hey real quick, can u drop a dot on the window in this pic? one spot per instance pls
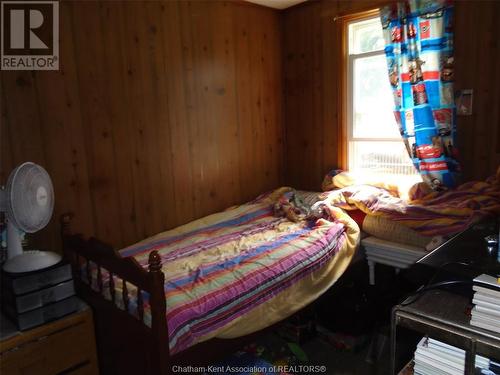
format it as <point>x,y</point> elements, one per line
<point>374,142</point>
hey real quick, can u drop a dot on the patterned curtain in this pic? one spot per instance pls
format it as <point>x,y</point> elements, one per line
<point>419,51</point>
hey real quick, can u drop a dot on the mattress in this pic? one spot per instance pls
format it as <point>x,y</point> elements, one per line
<point>393,231</point>
<point>241,270</point>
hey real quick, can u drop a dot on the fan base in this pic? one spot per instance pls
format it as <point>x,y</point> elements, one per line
<point>32,260</point>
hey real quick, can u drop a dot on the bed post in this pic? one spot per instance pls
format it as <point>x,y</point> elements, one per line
<point>158,314</point>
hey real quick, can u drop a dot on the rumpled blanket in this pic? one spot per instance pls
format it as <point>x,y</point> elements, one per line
<point>438,213</point>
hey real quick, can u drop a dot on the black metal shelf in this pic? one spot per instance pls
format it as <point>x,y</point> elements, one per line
<point>445,316</point>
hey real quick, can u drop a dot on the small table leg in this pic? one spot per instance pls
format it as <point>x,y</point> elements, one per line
<point>470,359</point>
<point>371,269</point>
<point>394,326</point>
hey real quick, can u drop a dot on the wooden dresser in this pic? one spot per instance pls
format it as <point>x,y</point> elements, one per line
<point>65,346</point>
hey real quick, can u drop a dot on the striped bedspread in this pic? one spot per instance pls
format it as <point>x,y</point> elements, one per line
<point>438,213</point>
<point>231,264</point>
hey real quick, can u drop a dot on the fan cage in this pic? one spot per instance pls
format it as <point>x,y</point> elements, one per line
<point>30,197</point>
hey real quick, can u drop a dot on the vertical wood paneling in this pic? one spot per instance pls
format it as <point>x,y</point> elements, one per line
<point>243,83</point>
<point>191,100</point>
<point>476,46</point>
<point>256,117</point>
<point>311,96</point>
<point>95,94</point>
<point>162,112</point>
<point>156,16</point>
<point>62,134</point>
<point>292,98</point>
<point>124,151</point>
<point>6,163</point>
<point>225,112</point>
<point>331,81</point>
<point>24,128</point>
<point>184,182</point>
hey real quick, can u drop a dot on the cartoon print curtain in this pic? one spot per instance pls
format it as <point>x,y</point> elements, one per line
<point>419,51</point>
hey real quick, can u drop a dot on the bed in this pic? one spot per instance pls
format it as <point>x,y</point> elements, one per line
<point>403,219</point>
<point>181,295</point>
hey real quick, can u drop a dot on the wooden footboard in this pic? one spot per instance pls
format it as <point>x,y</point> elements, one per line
<point>126,344</point>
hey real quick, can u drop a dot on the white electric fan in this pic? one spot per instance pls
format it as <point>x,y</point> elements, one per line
<point>28,200</point>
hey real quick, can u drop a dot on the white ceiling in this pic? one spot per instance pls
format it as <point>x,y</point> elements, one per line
<point>277,4</point>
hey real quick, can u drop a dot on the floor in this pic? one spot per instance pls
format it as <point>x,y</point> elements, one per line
<point>327,358</point>
<point>338,362</point>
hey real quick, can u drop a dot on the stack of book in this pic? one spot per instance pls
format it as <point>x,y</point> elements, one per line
<point>435,357</point>
<point>486,312</point>
<point>34,298</point>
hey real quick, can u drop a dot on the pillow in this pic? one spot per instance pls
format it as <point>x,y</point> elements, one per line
<point>397,185</point>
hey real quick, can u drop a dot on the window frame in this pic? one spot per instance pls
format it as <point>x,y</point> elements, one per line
<point>342,23</point>
<point>350,84</point>
<point>346,96</point>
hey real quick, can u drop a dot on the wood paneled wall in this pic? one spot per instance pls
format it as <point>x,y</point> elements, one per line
<point>311,57</point>
<point>162,112</point>
<point>477,66</point>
